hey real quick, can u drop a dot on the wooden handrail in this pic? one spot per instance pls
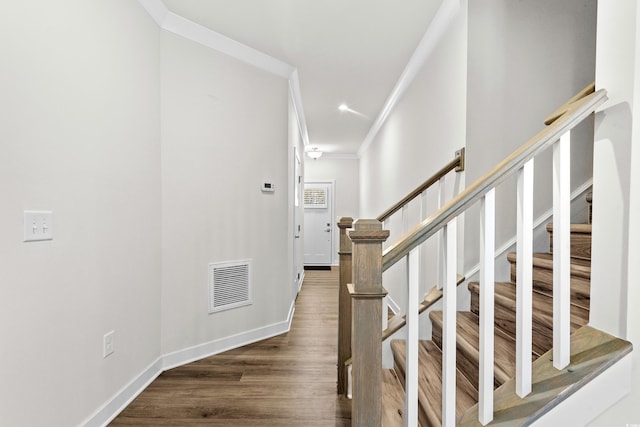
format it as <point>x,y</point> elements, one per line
<point>574,114</point>
<point>457,164</point>
<point>564,107</point>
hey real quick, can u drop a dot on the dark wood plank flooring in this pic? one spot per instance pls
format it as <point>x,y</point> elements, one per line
<point>288,380</point>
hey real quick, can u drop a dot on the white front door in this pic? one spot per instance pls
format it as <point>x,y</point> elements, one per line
<point>318,224</point>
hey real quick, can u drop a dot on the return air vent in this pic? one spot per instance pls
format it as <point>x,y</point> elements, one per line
<point>229,285</point>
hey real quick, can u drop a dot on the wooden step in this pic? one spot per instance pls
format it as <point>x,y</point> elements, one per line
<point>505,314</point>
<point>430,382</point>
<point>392,399</point>
<point>580,240</point>
<point>592,352</point>
<point>468,345</point>
<point>543,277</point>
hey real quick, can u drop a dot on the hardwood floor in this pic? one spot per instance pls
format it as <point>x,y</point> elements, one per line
<point>288,380</point>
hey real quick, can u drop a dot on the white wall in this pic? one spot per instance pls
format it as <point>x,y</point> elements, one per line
<point>616,233</point>
<point>224,132</point>
<point>79,135</point>
<point>423,131</point>
<point>420,136</point>
<point>345,174</point>
<point>526,58</point>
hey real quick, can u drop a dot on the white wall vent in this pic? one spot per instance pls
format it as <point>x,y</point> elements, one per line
<point>229,285</point>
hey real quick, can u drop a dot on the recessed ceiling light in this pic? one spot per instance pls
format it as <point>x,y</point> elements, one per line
<point>344,108</point>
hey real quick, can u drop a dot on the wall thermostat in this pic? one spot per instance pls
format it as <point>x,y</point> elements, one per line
<point>268,187</point>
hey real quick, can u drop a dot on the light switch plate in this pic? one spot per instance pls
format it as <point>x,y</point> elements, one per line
<point>38,225</point>
<point>108,344</point>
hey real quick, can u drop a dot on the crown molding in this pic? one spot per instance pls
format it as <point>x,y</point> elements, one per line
<point>172,22</point>
<point>155,8</point>
<point>181,26</point>
<point>435,31</point>
<point>223,44</point>
<point>296,96</point>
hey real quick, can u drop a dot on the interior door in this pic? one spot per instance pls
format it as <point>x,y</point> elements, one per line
<point>297,223</point>
<point>318,227</point>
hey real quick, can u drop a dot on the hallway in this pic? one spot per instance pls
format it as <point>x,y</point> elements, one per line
<point>287,380</point>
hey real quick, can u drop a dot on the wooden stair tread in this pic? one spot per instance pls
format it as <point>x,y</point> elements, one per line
<point>468,347</point>
<point>574,228</point>
<point>543,277</point>
<point>392,399</point>
<point>467,339</point>
<point>580,240</point>
<point>579,267</point>
<point>592,352</point>
<point>505,308</point>
<point>430,382</point>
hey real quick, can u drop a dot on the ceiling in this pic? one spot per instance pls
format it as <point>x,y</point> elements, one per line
<point>345,51</point>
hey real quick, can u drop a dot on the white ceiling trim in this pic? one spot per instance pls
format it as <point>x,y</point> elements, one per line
<point>439,25</point>
<point>223,44</point>
<point>181,26</point>
<point>155,8</point>
<point>296,96</point>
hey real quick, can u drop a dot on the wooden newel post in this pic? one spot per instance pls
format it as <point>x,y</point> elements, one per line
<point>367,294</point>
<point>344,304</point>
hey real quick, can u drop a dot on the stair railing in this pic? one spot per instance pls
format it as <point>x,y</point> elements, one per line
<point>456,164</point>
<point>345,254</point>
<point>367,276</point>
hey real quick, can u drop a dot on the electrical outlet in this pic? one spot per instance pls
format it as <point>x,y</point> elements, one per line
<point>38,225</point>
<point>108,344</point>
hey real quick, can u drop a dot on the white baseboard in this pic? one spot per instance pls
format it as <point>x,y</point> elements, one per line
<point>200,351</point>
<point>107,412</point>
<point>300,282</point>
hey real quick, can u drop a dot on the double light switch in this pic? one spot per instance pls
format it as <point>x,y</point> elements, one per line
<point>38,225</point>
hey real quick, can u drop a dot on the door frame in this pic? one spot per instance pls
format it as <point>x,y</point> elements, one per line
<point>332,191</point>
<point>298,221</point>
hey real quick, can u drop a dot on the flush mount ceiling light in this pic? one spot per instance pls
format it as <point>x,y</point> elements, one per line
<point>314,153</point>
<point>343,107</point>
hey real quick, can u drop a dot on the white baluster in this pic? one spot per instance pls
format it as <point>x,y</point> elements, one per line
<point>385,300</point>
<point>440,237</point>
<point>487,285</point>
<point>411,373</point>
<point>524,279</point>
<point>561,252</point>
<point>425,257</point>
<point>449,327</point>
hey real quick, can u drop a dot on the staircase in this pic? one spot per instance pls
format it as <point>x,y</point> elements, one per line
<point>467,337</point>
<point>519,357</point>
